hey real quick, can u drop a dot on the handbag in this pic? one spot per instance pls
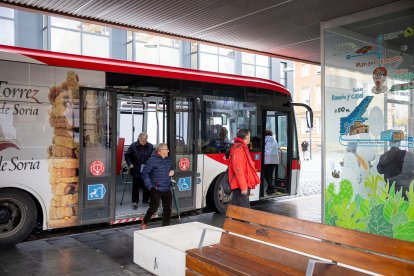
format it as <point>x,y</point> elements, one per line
<point>224,182</point>
<point>224,178</point>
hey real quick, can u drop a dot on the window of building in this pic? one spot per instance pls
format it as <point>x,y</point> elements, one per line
<point>75,37</point>
<point>7,33</point>
<point>212,58</point>
<point>318,125</point>
<point>305,70</point>
<point>305,95</point>
<point>318,95</point>
<point>303,126</point>
<point>255,65</point>
<point>283,73</point>
<point>148,48</point>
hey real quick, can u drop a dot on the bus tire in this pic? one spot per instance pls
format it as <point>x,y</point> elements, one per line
<point>18,216</point>
<point>221,200</point>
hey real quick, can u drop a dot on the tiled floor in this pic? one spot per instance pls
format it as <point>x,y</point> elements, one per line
<point>110,251</point>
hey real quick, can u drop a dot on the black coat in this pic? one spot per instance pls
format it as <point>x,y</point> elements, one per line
<point>136,155</point>
<point>403,180</point>
<point>391,162</point>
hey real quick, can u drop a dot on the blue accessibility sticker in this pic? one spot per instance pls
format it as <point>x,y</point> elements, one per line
<point>410,138</point>
<point>184,184</point>
<point>257,156</point>
<point>96,191</point>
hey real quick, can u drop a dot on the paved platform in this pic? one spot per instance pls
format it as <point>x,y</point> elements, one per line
<point>110,251</point>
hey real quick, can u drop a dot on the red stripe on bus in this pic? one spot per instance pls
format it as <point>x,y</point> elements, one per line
<point>128,67</point>
<point>119,153</point>
<point>296,164</point>
<point>219,157</point>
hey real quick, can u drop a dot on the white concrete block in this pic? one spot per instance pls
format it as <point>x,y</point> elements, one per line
<point>162,250</point>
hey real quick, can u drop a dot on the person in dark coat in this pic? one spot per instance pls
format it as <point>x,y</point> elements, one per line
<point>136,156</point>
<point>391,162</point>
<point>403,180</point>
<point>157,175</point>
<point>305,151</point>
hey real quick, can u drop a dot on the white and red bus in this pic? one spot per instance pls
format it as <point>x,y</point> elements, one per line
<point>66,120</point>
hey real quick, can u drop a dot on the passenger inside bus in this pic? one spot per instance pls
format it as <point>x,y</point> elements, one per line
<point>219,143</point>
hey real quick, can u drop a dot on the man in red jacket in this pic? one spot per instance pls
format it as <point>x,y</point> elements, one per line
<point>242,173</point>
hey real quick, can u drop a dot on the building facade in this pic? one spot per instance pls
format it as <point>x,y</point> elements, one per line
<point>39,31</point>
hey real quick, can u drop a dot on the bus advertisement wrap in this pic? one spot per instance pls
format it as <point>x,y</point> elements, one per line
<point>39,135</point>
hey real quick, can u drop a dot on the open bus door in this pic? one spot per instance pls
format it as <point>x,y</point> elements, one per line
<point>166,120</point>
<point>97,155</point>
<point>183,150</point>
<point>278,123</point>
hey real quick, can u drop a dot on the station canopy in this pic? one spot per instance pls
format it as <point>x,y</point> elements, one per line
<point>287,29</point>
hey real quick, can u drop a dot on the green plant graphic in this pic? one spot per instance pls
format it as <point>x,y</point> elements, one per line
<point>383,211</point>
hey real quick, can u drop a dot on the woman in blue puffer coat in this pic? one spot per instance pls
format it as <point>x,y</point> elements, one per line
<point>157,175</point>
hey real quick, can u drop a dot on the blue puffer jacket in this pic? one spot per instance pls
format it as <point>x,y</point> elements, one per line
<point>155,173</point>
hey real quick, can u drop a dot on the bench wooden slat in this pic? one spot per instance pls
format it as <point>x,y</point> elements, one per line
<point>262,251</point>
<point>346,255</point>
<point>290,262</point>
<point>285,270</point>
<point>200,265</point>
<point>244,260</point>
<point>388,246</point>
<point>210,264</point>
<point>189,272</point>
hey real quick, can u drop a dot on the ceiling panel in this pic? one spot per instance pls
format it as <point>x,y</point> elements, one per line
<point>285,28</point>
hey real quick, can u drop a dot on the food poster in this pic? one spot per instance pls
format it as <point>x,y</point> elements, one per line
<point>39,134</point>
<point>369,164</point>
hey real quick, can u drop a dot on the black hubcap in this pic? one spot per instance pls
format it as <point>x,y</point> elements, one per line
<point>10,216</point>
<point>4,215</point>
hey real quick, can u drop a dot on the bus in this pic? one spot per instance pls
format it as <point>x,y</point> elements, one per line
<point>67,120</point>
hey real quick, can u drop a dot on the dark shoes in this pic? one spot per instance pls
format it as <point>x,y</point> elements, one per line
<point>134,206</point>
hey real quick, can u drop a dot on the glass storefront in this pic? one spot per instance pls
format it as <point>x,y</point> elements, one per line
<point>369,125</point>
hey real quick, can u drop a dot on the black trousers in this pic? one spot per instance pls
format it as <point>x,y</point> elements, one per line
<point>269,170</point>
<point>166,198</point>
<point>238,199</point>
<point>136,183</point>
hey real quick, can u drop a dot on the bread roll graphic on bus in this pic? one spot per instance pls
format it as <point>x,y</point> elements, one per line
<point>64,152</point>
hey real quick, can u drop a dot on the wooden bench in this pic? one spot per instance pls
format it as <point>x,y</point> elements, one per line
<point>260,243</point>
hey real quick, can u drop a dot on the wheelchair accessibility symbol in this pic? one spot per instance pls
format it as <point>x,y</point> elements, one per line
<point>96,191</point>
<point>184,184</point>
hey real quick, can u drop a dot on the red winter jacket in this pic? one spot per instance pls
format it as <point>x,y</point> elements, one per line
<point>242,173</point>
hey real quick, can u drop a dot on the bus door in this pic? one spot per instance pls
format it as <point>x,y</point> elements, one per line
<point>136,113</point>
<point>97,151</point>
<point>277,122</point>
<point>182,137</point>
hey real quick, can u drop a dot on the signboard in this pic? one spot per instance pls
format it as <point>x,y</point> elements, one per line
<point>96,191</point>
<point>184,184</point>
<point>184,163</point>
<point>97,168</point>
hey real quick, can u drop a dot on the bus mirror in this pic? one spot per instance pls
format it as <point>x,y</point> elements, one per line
<point>309,113</point>
<point>309,119</point>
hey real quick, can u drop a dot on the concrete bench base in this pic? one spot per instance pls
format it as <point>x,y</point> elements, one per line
<point>162,250</point>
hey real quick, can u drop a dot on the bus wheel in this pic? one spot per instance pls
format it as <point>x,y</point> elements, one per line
<point>221,200</point>
<point>18,215</point>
